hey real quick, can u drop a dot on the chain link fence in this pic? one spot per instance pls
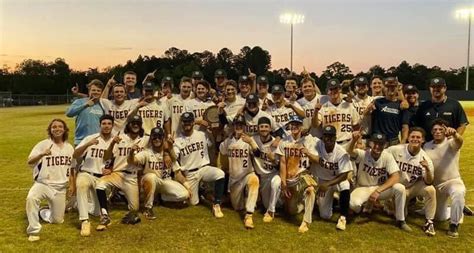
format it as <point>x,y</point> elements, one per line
<point>7,99</point>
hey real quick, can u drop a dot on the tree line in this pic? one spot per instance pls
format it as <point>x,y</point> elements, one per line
<point>41,77</point>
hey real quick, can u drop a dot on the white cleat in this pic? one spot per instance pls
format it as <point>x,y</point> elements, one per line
<point>33,238</point>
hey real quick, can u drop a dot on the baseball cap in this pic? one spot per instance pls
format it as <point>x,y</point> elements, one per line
<point>136,118</point>
<point>378,138</point>
<point>410,88</point>
<point>243,79</point>
<point>295,118</point>
<point>264,120</point>
<point>329,130</point>
<point>157,132</point>
<point>437,81</point>
<point>187,117</point>
<point>361,80</point>
<point>391,81</point>
<point>277,88</point>
<point>252,98</point>
<point>220,73</point>
<point>197,75</point>
<point>167,79</point>
<point>333,83</point>
<point>262,79</point>
<point>239,119</point>
<point>148,86</point>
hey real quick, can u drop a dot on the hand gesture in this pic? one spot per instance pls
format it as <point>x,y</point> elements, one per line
<point>247,139</point>
<point>171,137</point>
<point>322,189</point>
<point>450,131</point>
<point>356,135</point>
<point>75,89</point>
<point>285,191</point>
<point>305,73</point>
<point>265,104</point>
<point>275,143</point>
<point>48,151</point>
<point>370,108</point>
<point>424,163</point>
<point>111,82</point>
<point>94,141</point>
<point>252,76</point>
<point>92,101</point>
<point>317,106</point>
<point>117,138</point>
<point>374,196</point>
<point>135,148</point>
<point>168,161</point>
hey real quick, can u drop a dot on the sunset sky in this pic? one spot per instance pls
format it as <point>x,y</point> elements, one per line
<point>359,33</point>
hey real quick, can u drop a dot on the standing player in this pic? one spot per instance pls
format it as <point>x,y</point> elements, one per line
<point>332,170</point>
<point>200,103</point>
<point>178,104</point>
<point>282,110</point>
<point>91,151</point>
<point>417,173</point>
<point>266,166</point>
<point>409,118</point>
<point>377,178</point>
<point>376,87</point>
<point>245,86</point>
<point>220,78</point>
<point>166,92</point>
<point>51,161</point>
<point>444,151</point>
<point>308,102</point>
<point>361,101</point>
<point>130,81</point>
<point>191,148</point>
<point>156,173</point>
<point>297,185</point>
<point>262,90</point>
<point>121,174</point>
<point>240,148</point>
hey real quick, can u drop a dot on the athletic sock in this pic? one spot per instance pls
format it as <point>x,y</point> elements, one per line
<point>219,186</point>
<point>102,198</point>
<point>344,198</point>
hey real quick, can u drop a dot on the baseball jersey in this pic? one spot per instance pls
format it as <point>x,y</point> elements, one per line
<point>409,165</point>
<point>177,106</point>
<point>119,112</point>
<point>154,114</point>
<point>198,107</point>
<point>361,104</point>
<point>52,169</point>
<point>268,97</point>
<point>308,108</point>
<point>342,116</point>
<point>263,164</point>
<point>281,115</point>
<point>239,154</point>
<point>153,162</point>
<point>252,122</point>
<point>387,118</point>
<point>445,157</point>
<point>373,172</point>
<point>330,165</point>
<point>289,147</point>
<point>231,108</point>
<point>92,158</point>
<point>122,150</point>
<point>192,151</point>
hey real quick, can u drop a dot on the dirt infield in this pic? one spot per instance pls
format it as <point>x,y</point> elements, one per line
<point>469,112</point>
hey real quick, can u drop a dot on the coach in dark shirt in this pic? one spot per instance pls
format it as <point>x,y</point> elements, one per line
<point>409,117</point>
<point>440,106</point>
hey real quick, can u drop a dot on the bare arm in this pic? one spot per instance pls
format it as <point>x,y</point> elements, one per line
<point>405,130</point>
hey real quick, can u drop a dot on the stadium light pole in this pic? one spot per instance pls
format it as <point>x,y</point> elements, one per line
<point>467,14</point>
<point>291,19</point>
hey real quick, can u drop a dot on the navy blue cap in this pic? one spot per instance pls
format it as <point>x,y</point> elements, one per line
<point>262,79</point>
<point>390,81</point>
<point>167,79</point>
<point>378,138</point>
<point>333,83</point>
<point>361,80</point>
<point>148,86</point>
<point>157,132</point>
<point>252,98</point>
<point>243,79</point>
<point>278,88</point>
<point>197,75</point>
<point>136,118</point>
<point>329,130</point>
<point>220,73</point>
<point>264,120</point>
<point>437,81</point>
<point>187,117</point>
<point>295,118</point>
<point>410,88</point>
<point>239,119</point>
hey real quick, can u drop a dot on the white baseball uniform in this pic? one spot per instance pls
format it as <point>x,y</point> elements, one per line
<point>342,116</point>
<point>177,106</point>
<point>154,114</point>
<point>308,108</point>
<point>252,122</point>
<point>51,175</point>
<point>373,173</point>
<point>119,112</point>
<point>231,108</point>
<point>281,115</point>
<point>361,105</point>
<point>447,179</point>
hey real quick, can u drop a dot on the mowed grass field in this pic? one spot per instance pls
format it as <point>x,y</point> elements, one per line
<point>194,228</point>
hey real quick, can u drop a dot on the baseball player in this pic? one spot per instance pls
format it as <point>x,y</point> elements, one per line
<point>157,173</point>
<point>240,149</point>
<point>252,114</point>
<point>220,78</point>
<point>200,103</point>
<point>376,87</point>
<point>51,162</point>
<point>377,178</point>
<point>262,90</point>
<point>297,184</point>
<point>332,170</point>
<point>178,104</point>
<point>266,166</point>
<point>417,174</point>
<point>444,151</point>
<point>121,174</point>
<point>361,101</point>
<point>191,149</point>
<point>308,102</point>
<point>130,81</point>
<point>232,103</point>
<point>338,113</point>
<point>166,92</point>
<point>91,151</point>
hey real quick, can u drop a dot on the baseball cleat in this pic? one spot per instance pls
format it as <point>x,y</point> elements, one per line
<point>149,214</point>
<point>268,217</point>
<point>216,210</point>
<point>131,218</point>
<point>248,221</point>
<point>303,227</point>
<point>341,223</point>
<point>104,223</point>
<point>453,231</point>
<point>429,228</point>
<point>404,226</point>
<point>86,228</point>
<point>33,238</point>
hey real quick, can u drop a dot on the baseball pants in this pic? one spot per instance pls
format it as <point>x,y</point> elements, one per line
<point>456,191</point>
<point>125,182</point>
<point>325,202</point>
<point>302,198</point>
<point>169,189</point>
<point>244,193</point>
<point>56,202</point>
<point>360,195</point>
<point>207,174</point>
<point>428,192</point>
<point>270,189</point>
<point>85,184</point>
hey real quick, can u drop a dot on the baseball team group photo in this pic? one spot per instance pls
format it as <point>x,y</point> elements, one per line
<point>272,148</point>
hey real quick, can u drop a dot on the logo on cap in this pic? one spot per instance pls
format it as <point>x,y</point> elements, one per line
<point>436,80</point>
<point>251,96</point>
<point>333,82</point>
<point>379,136</point>
<point>361,79</point>
<point>328,128</point>
<point>244,77</point>
<point>187,115</point>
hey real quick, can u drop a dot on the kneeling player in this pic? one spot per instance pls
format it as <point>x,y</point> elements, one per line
<point>332,169</point>
<point>377,178</point>
<point>157,174</point>
<point>297,184</point>
<point>51,162</point>
<point>240,148</point>
<point>417,173</point>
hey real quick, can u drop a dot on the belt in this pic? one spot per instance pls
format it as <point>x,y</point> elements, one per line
<point>343,141</point>
<point>92,174</point>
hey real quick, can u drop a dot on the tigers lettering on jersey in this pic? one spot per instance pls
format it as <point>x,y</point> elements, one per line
<point>188,149</point>
<point>338,117</point>
<point>177,109</point>
<point>376,172</point>
<point>58,160</point>
<point>125,151</point>
<point>198,112</point>
<point>309,112</point>
<point>294,152</point>
<point>283,117</point>
<point>415,171</point>
<point>122,114</point>
<point>251,129</point>
<point>243,153</point>
<point>97,152</point>
<point>329,165</point>
<point>150,113</point>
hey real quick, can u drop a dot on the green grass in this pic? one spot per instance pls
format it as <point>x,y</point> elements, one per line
<point>194,228</point>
